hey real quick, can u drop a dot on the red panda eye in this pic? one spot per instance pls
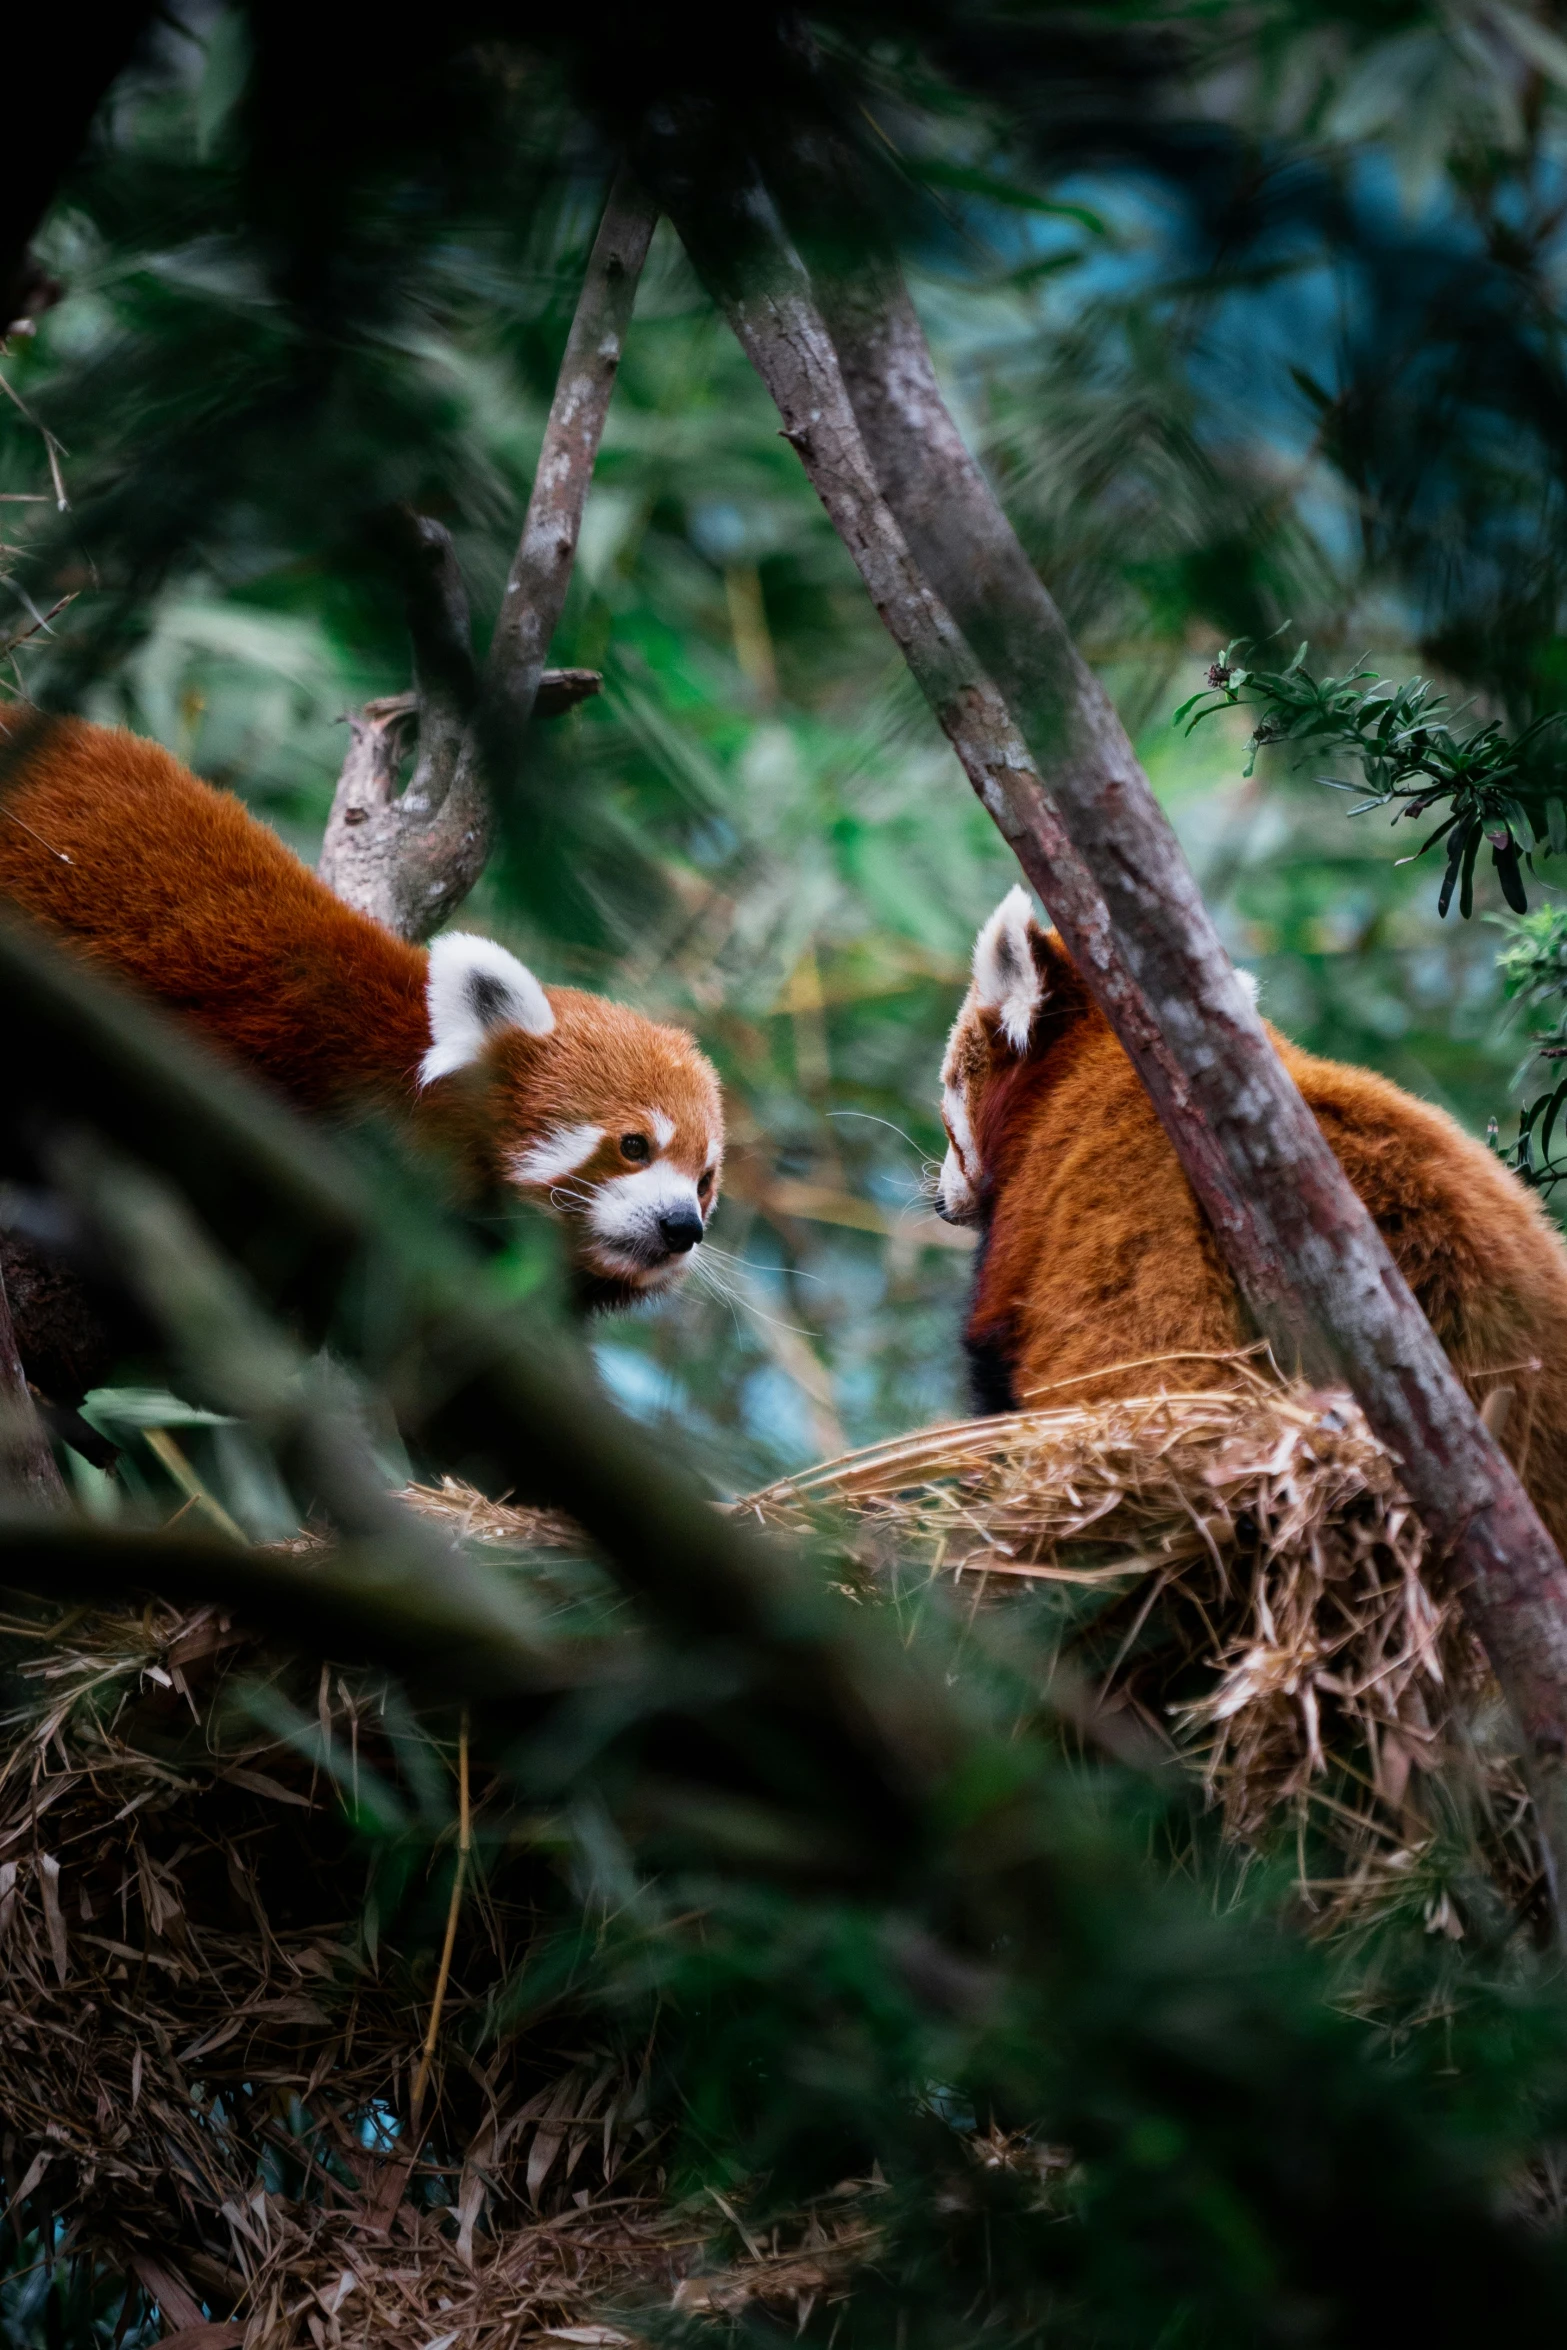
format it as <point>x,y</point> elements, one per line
<point>704,1182</point>
<point>634,1146</point>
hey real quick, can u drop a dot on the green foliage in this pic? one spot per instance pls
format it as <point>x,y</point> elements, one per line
<point>755,831</point>
<point>49,2298</point>
<point>1533,965</point>
<point>1504,789</point>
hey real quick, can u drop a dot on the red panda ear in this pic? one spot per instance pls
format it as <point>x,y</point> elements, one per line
<point>1007,979</point>
<point>474,988</point>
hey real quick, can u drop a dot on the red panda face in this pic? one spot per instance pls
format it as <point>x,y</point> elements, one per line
<point>991,1033</point>
<point>609,1121</point>
<point>1026,996</point>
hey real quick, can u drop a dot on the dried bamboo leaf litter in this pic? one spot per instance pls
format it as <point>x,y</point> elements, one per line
<point>199,2025</point>
<point>1250,1582</point>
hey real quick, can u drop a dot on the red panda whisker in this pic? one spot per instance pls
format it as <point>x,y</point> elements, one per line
<point>727,1256</point>
<point>569,1203</point>
<point>872,1119</point>
<point>707,1280</point>
<point>709,1274</point>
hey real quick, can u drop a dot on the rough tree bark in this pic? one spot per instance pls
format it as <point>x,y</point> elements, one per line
<point>410,859</point>
<point>1308,1260</point>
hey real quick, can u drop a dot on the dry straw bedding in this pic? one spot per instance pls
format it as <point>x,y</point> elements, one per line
<point>196,2016</point>
<point>196,2025</point>
<point>1239,1572</point>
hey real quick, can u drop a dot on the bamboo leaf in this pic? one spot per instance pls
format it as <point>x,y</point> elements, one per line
<point>1466,888</point>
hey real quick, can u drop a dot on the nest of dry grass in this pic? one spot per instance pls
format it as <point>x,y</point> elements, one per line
<point>1238,1570</point>
<point>201,2024</point>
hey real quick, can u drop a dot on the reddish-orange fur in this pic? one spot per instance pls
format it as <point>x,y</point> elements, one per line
<point>173,885</point>
<point>161,880</point>
<point>1095,1257</point>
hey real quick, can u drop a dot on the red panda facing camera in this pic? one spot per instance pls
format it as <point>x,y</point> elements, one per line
<point>606,1119</point>
<point>1098,1275</point>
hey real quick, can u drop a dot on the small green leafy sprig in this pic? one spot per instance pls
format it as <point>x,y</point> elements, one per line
<point>1533,965</point>
<point>1414,755</point>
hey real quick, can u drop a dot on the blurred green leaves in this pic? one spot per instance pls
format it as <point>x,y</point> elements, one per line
<point>1133,243</point>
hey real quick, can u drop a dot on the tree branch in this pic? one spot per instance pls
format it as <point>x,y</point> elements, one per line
<point>409,860</point>
<point>458,1632</point>
<point>1306,1255</point>
<point>541,568</point>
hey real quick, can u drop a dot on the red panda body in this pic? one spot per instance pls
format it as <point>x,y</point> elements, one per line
<point>570,1099</point>
<point>1098,1276</point>
<point>175,887</point>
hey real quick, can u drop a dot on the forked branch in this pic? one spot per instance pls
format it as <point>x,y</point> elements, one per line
<point>409,858</point>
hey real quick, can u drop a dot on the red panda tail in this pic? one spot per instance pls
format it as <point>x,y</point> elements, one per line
<point>147,871</point>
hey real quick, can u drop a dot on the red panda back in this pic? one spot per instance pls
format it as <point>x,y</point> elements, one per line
<point>1100,1277</point>
<point>151,873</point>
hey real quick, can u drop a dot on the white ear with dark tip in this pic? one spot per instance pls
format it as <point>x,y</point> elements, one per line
<point>1006,977</point>
<point>474,988</point>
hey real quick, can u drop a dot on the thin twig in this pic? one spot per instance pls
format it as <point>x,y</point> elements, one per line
<point>541,568</point>
<point>52,448</point>
<point>464,1827</point>
<point>164,1449</point>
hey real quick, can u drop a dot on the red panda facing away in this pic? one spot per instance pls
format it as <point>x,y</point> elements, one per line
<point>575,1103</point>
<point>1097,1272</point>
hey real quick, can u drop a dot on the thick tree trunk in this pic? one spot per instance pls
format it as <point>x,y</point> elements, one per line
<point>1308,1260</point>
<point>410,859</point>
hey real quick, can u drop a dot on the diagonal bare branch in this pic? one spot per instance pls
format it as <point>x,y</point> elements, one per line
<point>541,568</point>
<point>410,859</point>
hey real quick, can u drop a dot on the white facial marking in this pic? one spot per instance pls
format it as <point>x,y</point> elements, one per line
<point>663,1130</point>
<point>560,1152</point>
<point>955,1195</point>
<point>626,1214</point>
<point>960,1133</point>
<point>1006,977</point>
<point>474,988</point>
<point>1250,983</point>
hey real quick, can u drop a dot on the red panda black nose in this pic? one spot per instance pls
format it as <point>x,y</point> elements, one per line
<point>680,1231</point>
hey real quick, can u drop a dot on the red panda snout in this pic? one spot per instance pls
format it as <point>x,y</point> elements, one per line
<point>608,1120</point>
